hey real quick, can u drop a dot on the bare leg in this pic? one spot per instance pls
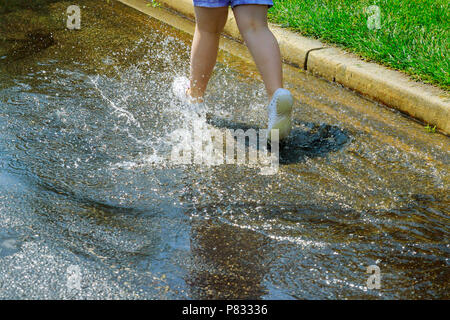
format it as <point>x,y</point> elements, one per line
<point>209,25</point>
<point>252,23</point>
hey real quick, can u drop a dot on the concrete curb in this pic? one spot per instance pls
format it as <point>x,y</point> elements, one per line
<point>392,88</point>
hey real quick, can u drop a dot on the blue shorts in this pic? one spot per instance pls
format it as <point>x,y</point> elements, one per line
<point>232,3</point>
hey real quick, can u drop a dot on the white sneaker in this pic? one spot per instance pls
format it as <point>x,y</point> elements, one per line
<point>180,87</point>
<point>280,109</point>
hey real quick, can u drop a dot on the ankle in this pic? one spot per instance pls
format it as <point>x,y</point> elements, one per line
<point>194,97</point>
<point>270,93</point>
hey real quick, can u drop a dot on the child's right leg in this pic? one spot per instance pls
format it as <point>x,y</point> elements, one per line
<point>209,25</point>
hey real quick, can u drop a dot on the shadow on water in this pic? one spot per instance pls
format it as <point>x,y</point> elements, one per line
<point>33,43</point>
<point>26,30</point>
<point>307,139</point>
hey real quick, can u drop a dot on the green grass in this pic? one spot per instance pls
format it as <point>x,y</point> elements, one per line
<point>413,35</point>
<point>430,129</point>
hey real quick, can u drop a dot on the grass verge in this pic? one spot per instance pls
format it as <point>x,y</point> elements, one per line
<point>411,36</point>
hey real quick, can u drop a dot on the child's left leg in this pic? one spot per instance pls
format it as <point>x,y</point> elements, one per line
<point>252,23</point>
<point>209,25</point>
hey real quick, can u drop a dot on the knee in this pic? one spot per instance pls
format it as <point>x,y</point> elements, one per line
<point>251,25</point>
<point>214,30</point>
<point>214,27</point>
<point>210,20</point>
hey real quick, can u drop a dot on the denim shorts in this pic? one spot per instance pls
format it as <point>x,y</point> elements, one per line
<point>232,3</point>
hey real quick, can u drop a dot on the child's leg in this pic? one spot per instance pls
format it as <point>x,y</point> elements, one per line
<point>209,24</point>
<point>252,23</point>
